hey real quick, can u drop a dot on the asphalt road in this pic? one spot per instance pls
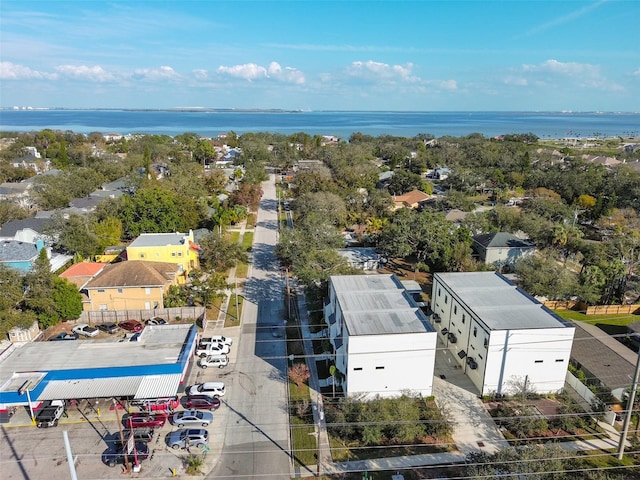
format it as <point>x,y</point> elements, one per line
<point>256,440</point>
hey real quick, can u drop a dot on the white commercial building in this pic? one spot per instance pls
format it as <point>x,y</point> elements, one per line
<point>383,343</point>
<point>501,337</point>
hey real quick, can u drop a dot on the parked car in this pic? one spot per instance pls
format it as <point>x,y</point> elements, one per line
<point>64,336</point>
<point>140,435</point>
<point>197,437</point>
<point>202,402</point>
<point>208,388</point>
<point>155,321</point>
<point>219,361</point>
<point>117,456</point>
<point>216,339</point>
<point>192,417</point>
<point>162,404</point>
<point>136,420</point>
<point>131,326</point>
<point>109,328</point>
<point>85,329</point>
<point>216,348</point>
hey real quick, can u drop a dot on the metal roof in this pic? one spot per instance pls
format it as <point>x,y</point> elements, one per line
<point>158,345</point>
<point>156,386</point>
<point>377,305</point>
<point>91,388</point>
<point>499,303</point>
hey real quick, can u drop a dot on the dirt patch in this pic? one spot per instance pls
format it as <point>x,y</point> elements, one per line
<point>405,270</point>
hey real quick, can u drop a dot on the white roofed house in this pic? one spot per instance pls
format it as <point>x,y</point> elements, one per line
<point>502,338</point>
<point>383,343</point>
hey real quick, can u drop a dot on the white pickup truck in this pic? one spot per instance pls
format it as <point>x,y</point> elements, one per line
<point>211,349</point>
<point>50,413</point>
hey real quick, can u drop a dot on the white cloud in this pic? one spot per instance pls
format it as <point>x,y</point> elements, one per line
<point>252,71</point>
<point>248,71</point>
<point>83,72</point>
<point>155,74</point>
<point>200,74</point>
<point>562,68</point>
<point>583,75</point>
<point>447,84</point>
<point>636,73</point>
<point>288,74</point>
<point>516,80</point>
<point>376,71</point>
<point>12,71</point>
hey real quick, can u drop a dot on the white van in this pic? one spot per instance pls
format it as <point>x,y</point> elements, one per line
<point>219,361</point>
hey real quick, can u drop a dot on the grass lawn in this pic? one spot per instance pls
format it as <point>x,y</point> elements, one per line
<point>247,240</point>
<point>251,220</point>
<point>234,236</point>
<point>304,443</point>
<point>242,269</point>
<point>214,310</point>
<point>232,319</point>
<point>612,324</point>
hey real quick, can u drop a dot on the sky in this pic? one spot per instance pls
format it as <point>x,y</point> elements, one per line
<point>396,55</point>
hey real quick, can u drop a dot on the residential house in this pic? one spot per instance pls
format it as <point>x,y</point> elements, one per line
<point>80,273</point>
<point>383,343</point>
<point>131,285</point>
<point>502,338</point>
<point>605,360</point>
<point>178,248</point>
<point>19,255</point>
<point>32,160</point>
<point>363,258</point>
<point>501,249</point>
<point>16,192</point>
<point>27,230</point>
<point>413,199</point>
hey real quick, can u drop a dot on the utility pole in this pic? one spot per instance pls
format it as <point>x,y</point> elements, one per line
<point>67,447</point>
<point>124,445</point>
<point>627,418</point>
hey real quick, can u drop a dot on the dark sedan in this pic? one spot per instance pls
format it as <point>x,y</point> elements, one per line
<point>131,326</point>
<point>63,336</point>
<point>136,420</point>
<point>117,457</point>
<point>109,327</point>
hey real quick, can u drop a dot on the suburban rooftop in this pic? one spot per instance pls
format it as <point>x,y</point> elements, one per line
<point>498,303</point>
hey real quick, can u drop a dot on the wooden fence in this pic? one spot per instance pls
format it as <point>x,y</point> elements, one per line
<point>169,314</point>
<point>594,309</point>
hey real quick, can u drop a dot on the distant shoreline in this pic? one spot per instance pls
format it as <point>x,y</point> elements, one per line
<point>209,122</point>
<point>280,110</point>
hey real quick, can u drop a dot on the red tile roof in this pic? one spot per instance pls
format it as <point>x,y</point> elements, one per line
<point>83,269</point>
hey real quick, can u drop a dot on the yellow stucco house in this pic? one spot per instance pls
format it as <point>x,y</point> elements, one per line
<point>132,285</point>
<point>178,248</point>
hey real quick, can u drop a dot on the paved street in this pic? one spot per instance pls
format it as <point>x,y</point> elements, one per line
<point>256,439</point>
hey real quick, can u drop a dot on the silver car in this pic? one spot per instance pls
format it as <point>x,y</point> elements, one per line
<point>185,438</point>
<point>192,417</point>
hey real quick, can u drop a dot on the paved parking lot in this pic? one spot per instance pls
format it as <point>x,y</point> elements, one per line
<point>27,452</point>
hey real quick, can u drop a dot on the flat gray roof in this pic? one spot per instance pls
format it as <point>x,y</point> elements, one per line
<point>377,305</point>
<point>158,344</point>
<point>158,239</point>
<point>499,303</point>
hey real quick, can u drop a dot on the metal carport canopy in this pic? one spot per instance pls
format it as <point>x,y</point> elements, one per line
<point>152,386</point>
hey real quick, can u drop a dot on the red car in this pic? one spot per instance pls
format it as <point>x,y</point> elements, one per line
<point>131,326</point>
<point>136,420</point>
<point>202,402</point>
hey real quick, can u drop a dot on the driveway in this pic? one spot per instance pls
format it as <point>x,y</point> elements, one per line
<point>473,427</point>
